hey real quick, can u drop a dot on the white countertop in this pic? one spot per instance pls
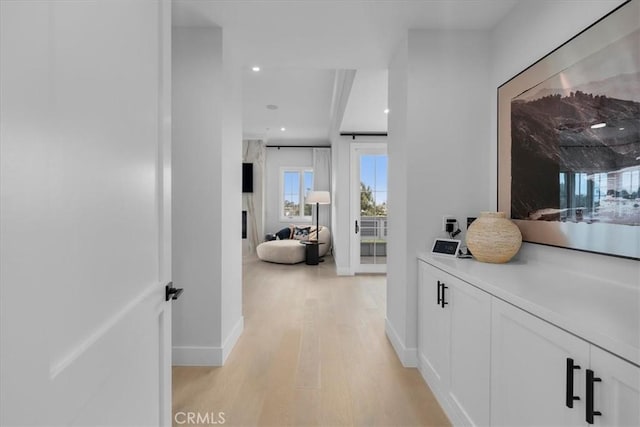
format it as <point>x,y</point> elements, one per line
<point>605,313</point>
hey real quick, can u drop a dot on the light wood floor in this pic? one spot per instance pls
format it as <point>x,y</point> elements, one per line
<point>313,352</point>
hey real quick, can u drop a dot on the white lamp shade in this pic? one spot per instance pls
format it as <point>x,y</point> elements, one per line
<point>320,197</point>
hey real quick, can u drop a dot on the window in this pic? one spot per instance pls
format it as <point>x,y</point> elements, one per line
<point>295,185</point>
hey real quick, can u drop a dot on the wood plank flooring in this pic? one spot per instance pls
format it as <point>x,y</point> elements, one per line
<point>313,353</point>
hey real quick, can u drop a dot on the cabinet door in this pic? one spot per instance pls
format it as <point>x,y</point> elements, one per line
<point>454,344</point>
<point>529,370</point>
<point>470,363</point>
<point>617,395</point>
<point>433,345</point>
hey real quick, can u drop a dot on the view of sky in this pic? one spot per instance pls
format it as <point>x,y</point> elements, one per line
<point>292,186</point>
<point>373,173</point>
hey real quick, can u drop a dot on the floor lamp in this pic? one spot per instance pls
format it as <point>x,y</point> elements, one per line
<point>319,198</point>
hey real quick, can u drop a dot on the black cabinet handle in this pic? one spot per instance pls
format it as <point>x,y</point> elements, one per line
<point>439,286</point>
<point>570,397</point>
<point>357,227</point>
<point>591,380</point>
<point>442,300</point>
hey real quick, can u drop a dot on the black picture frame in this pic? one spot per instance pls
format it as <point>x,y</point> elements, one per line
<point>569,141</point>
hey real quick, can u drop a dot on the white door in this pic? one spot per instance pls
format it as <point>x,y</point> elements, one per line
<point>369,207</point>
<point>84,216</point>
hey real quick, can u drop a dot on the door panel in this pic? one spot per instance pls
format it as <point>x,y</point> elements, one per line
<point>85,151</point>
<point>470,360</point>
<point>132,341</point>
<point>435,325</point>
<point>369,207</point>
<point>528,370</point>
<point>617,395</point>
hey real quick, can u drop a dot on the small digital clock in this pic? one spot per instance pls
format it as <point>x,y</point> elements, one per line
<point>446,247</point>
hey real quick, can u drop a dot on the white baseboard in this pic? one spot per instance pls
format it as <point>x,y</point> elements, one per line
<point>343,271</point>
<point>207,356</point>
<point>232,339</point>
<point>408,356</point>
<point>196,356</point>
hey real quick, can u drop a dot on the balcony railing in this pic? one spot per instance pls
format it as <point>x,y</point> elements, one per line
<point>373,238</point>
<point>373,229</point>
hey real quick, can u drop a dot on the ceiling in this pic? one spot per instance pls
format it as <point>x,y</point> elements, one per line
<point>365,109</point>
<point>302,97</point>
<point>300,43</point>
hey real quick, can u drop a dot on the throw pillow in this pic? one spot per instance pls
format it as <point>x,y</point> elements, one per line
<point>283,234</point>
<point>301,233</point>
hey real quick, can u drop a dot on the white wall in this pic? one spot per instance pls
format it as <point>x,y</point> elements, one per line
<point>439,165</point>
<point>340,206</point>
<point>275,159</point>
<point>206,197</point>
<point>397,202</point>
<point>443,119</point>
<point>529,32</point>
<point>340,153</point>
<point>230,229</point>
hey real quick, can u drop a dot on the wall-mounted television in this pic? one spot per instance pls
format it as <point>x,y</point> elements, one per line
<point>247,177</point>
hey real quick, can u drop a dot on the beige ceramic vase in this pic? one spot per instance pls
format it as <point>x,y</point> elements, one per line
<point>493,238</point>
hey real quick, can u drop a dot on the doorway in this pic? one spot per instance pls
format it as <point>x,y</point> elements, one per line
<point>369,165</point>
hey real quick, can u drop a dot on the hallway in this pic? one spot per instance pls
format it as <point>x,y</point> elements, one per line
<point>313,352</point>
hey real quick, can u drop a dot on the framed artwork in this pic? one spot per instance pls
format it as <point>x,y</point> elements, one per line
<point>569,141</point>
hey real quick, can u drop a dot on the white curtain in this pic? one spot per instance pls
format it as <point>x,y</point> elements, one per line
<point>254,152</point>
<point>322,181</point>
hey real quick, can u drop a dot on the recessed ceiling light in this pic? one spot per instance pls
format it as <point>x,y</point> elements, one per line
<point>255,69</point>
<point>620,128</point>
<point>386,111</point>
<point>283,129</point>
<point>598,125</point>
<point>272,107</point>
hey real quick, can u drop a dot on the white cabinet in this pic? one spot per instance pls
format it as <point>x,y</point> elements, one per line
<point>529,370</point>
<point>454,345</point>
<point>532,381</point>
<point>617,395</point>
<point>510,345</point>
